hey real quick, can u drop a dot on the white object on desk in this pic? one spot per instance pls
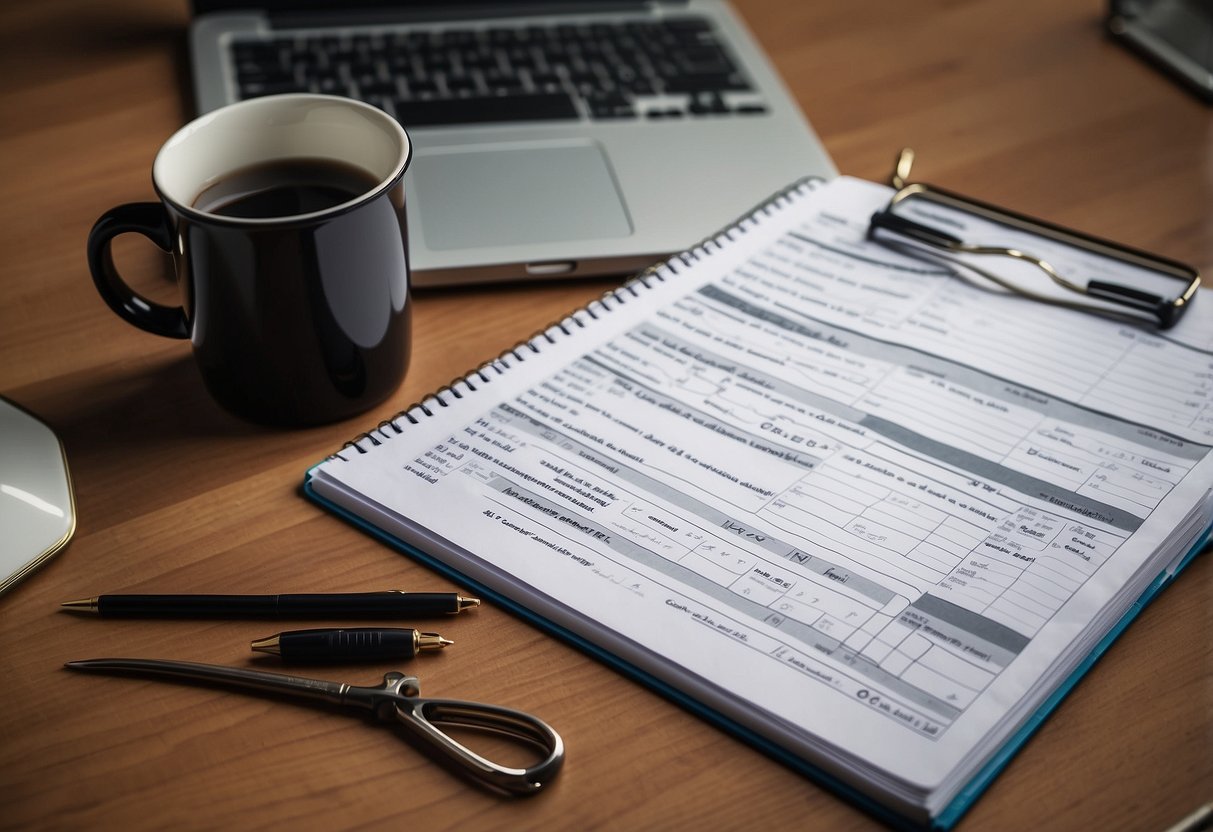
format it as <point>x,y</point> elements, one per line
<point>37,509</point>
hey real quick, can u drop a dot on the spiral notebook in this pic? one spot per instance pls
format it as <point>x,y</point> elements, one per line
<point>874,519</point>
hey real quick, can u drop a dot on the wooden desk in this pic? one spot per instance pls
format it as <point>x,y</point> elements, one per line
<point>1019,101</point>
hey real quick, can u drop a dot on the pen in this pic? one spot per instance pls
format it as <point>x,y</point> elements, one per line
<point>353,644</point>
<point>390,604</point>
<point>1198,821</point>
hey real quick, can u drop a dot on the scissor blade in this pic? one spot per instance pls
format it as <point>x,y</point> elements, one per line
<point>228,676</point>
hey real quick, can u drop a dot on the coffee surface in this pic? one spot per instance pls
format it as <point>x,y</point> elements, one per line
<point>285,188</point>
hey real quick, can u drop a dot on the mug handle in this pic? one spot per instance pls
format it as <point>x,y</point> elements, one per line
<point>151,220</point>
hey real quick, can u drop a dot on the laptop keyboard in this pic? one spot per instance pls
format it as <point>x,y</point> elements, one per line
<point>664,69</point>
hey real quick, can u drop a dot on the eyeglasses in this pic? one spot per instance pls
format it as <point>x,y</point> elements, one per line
<point>1038,259</point>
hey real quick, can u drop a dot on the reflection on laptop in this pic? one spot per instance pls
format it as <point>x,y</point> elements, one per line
<point>552,138</point>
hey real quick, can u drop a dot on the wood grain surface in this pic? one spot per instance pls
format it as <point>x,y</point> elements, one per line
<point>1021,102</point>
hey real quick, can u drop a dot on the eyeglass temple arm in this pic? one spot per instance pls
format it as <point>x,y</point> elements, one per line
<point>1165,310</point>
<point>897,224</point>
<point>901,172</point>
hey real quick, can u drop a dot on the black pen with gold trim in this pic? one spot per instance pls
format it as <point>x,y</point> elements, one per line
<point>351,644</point>
<point>390,604</point>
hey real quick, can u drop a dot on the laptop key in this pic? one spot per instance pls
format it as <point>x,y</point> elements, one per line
<point>377,88</point>
<point>246,74</point>
<point>705,82</point>
<point>331,86</point>
<point>423,86</point>
<point>485,109</point>
<point>257,52</point>
<point>506,88</point>
<point>610,105</point>
<point>256,90</point>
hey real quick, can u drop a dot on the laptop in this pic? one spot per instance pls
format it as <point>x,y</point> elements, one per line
<point>552,138</point>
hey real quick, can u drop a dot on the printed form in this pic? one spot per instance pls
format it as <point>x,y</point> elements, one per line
<point>822,477</point>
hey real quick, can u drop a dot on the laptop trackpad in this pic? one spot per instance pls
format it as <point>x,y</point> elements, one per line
<point>534,193</point>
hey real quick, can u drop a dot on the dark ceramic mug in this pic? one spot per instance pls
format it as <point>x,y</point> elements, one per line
<point>296,319</point>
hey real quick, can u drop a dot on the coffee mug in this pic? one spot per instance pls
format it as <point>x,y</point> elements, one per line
<point>284,217</point>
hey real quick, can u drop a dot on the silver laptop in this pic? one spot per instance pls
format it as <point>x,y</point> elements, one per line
<point>552,139</point>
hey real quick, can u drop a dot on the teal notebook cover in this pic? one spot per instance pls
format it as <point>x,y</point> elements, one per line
<point>944,821</point>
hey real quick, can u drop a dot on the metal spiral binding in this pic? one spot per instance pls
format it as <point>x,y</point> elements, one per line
<point>658,272</point>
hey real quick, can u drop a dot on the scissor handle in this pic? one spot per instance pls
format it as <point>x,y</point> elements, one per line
<point>423,718</point>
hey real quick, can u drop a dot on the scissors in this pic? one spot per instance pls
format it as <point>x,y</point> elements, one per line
<point>399,697</point>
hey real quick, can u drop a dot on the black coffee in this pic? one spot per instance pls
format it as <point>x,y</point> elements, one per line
<point>285,188</point>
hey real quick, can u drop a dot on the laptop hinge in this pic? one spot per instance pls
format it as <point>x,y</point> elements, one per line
<point>426,14</point>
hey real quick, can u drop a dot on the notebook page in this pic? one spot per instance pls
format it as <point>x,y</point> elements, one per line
<point>851,502</point>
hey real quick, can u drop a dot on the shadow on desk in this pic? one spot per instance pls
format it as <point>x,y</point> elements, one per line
<point>134,407</point>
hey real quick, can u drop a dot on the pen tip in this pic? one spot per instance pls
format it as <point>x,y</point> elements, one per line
<point>83,605</point>
<point>269,644</point>
<point>85,664</point>
<point>465,603</point>
<point>432,641</point>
